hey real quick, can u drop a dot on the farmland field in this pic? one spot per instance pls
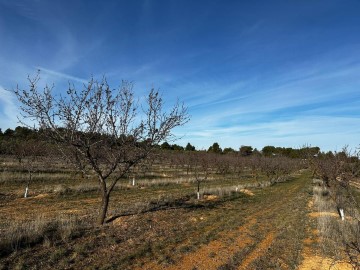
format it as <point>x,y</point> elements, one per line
<point>240,221</point>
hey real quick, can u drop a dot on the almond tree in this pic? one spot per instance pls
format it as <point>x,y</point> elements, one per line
<point>201,169</point>
<point>30,153</point>
<point>101,128</point>
<point>340,174</point>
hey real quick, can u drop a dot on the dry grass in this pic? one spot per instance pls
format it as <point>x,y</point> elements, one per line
<point>21,234</point>
<point>338,238</point>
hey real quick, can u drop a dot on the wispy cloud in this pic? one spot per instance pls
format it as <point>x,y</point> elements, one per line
<point>61,75</point>
<point>8,109</point>
<point>318,106</point>
<point>321,131</point>
<point>283,92</point>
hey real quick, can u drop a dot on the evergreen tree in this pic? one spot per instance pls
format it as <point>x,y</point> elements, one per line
<point>189,147</point>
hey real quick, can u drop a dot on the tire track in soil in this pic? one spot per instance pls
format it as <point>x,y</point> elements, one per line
<point>218,252</point>
<point>259,249</point>
<point>275,206</point>
<point>214,254</point>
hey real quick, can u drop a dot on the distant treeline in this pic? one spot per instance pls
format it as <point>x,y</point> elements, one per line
<point>10,137</point>
<point>245,150</point>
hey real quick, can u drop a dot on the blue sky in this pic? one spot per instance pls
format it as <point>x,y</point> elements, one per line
<point>283,73</point>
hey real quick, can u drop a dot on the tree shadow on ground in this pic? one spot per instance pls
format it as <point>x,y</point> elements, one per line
<point>186,202</point>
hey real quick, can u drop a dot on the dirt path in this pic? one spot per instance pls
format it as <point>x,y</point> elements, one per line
<point>254,244</point>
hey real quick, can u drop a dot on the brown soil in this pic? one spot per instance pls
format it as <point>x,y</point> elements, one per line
<point>259,250</point>
<point>211,197</point>
<point>328,214</point>
<point>320,263</point>
<point>215,253</point>
<point>40,196</point>
<point>247,192</point>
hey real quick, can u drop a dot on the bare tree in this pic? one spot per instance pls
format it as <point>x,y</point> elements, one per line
<point>222,164</point>
<point>30,154</point>
<point>277,169</point>
<point>253,163</point>
<point>340,173</point>
<point>101,128</point>
<point>201,168</point>
<point>237,165</point>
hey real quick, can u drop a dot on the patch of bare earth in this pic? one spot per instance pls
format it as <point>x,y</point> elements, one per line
<point>247,192</point>
<point>211,197</point>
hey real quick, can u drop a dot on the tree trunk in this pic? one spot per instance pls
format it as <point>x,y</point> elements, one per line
<point>104,207</point>
<point>198,190</point>
<point>27,185</point>
<point>342,215</point>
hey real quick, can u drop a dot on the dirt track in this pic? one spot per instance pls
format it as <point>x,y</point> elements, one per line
<point>259,241</point>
